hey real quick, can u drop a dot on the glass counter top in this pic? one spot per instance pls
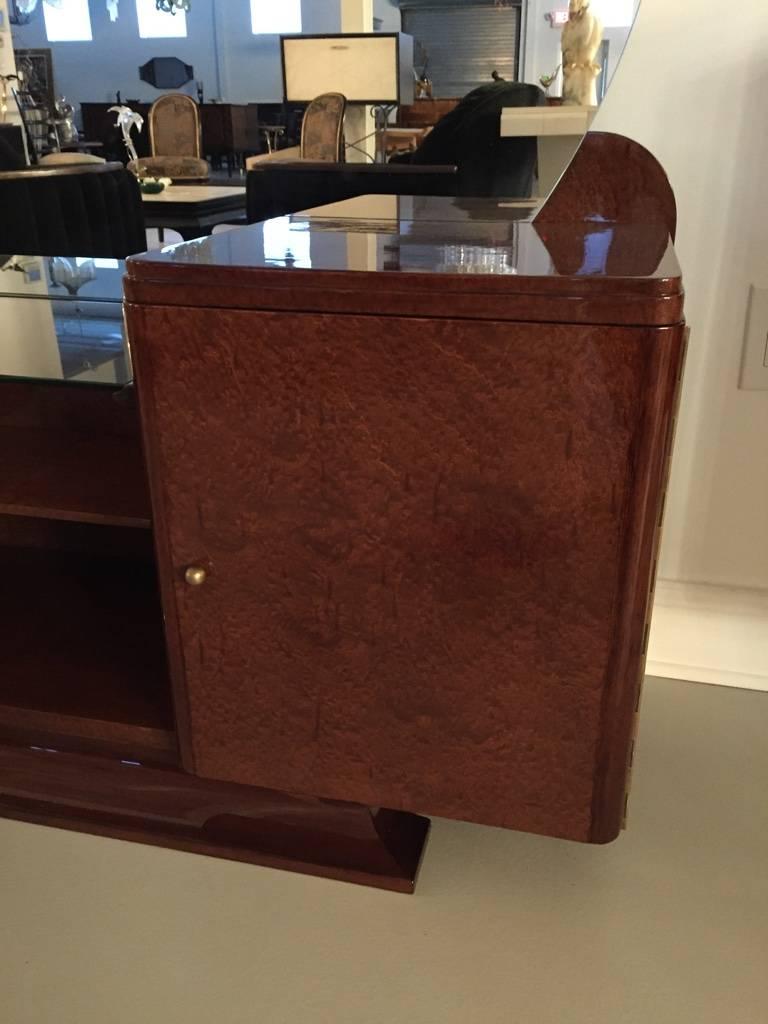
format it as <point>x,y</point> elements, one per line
<point>61,320</point>
<point>426,235</point>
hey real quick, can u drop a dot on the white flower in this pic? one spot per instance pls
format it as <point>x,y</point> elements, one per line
<point>128,119</point>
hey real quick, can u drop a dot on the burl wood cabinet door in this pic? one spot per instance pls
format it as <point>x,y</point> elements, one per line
<point>425,546</point>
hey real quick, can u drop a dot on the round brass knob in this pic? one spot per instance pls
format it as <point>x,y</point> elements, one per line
<point>195,576</point>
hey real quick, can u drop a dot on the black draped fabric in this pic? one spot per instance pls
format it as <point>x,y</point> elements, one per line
<point>10,160</point>
<point>72,212</point>
<point>470,138</point>
<point>275,189</point>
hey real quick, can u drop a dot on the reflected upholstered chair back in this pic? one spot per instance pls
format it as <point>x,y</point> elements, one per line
<point>174,138</point>
<point>87,210</point>
<point>322,135</point>
<point>322,130</point>
<point>174,126</point>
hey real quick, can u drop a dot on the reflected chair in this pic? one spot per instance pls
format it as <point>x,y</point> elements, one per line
<point>322,134</point>
<point>175,141</point>
<point>37,121</point>
<point>82,210</point>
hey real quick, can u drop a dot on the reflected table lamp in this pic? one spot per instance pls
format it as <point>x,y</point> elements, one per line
<point>369,69</point>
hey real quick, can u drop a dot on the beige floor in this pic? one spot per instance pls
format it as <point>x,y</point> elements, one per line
<point>667,926</point>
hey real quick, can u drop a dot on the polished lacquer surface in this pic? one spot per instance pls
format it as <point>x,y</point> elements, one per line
<point>388,257</point>
<point>389,235</point>
<point>62,317</point>
<point>407,461</point>
<point>417,449</point>
<point>427,547</point>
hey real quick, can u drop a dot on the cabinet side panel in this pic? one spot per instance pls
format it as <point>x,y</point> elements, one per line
<point>414,534</point>
<point>649,465</point>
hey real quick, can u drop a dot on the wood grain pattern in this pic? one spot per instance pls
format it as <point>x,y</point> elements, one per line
<point>421,548</point>
<point>589,273</point>
<point>168,808</point>
<point>650,459</point>
<point>336,296</point>
<point>428,507</point>
<point>107,736</point>
<point>72,408</point>
<point>87,478</point>
<point>72,453</point>
<point>615,179</point>
<point>623,250</point>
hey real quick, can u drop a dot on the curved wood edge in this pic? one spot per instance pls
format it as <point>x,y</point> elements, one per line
<point>614,178</point>
<point>163,807</point>
<point>651,461</point>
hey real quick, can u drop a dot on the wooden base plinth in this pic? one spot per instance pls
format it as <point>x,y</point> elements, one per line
<point>163,807</point>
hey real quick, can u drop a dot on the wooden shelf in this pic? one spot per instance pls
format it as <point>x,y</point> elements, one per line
<point>83,654</point>
<point>88,478</point>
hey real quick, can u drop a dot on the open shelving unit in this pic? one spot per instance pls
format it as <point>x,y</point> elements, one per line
<point>83,659</point>
<point>97,479</point>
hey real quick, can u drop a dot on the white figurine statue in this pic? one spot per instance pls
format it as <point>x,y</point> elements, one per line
<point>582,36</point>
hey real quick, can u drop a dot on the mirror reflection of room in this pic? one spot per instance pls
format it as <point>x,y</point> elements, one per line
<point>503,90</point>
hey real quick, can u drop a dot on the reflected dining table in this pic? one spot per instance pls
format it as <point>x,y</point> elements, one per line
<point>194,210</point>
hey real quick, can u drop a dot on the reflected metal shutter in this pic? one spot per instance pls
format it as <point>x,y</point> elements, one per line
<point>465,44</point>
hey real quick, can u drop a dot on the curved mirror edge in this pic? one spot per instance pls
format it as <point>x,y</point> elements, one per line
<point>617,19</point>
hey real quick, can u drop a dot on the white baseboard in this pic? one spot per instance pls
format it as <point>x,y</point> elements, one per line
<point>710,634</point>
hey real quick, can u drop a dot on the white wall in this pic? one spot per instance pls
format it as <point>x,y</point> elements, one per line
<point>28,342</point>
<point>6,50</point>
<point>233,64</point>
<point>251,66</point>
<point>706,119</point>
<point>94,71</point>
<point>7,66</point>
<point>541,44</point>
<point>390,15</point>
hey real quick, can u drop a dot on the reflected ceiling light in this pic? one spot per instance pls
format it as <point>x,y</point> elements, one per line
<point>171,6</point>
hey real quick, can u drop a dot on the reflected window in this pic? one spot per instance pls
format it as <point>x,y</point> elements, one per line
<point>154,24</point>
<point>70,22</point>
<point>615,13</point>
<point>286,242</point>
<point>597,246</point>
<point>270,17</point>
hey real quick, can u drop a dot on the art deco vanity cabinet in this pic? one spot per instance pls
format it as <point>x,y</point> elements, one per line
<point>406,462</point>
